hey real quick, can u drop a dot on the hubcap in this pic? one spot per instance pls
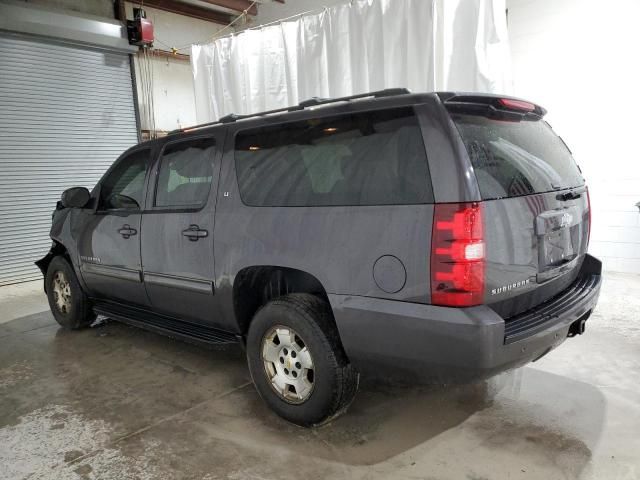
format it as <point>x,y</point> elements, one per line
<point>61,292</point>
<point>288,364</point>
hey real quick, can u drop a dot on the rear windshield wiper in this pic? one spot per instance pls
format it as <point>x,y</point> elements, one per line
<point>571,195</point>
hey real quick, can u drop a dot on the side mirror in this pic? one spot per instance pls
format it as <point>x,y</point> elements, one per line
<point>76,197</point>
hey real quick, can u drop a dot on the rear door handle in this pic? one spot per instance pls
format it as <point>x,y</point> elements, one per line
<point>194,232</point>
<point>126,231</point>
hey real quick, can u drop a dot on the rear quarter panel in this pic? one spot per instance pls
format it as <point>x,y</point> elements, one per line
<point>337,245</point>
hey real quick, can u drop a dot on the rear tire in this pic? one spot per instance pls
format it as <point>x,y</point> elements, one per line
<point>69,304</point>
<point>305,376</point>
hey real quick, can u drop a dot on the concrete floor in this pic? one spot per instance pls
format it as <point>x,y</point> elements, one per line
<point>114,402</point>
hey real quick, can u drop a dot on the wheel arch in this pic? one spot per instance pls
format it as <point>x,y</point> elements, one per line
<point>57,249</point>
<point>254,286</point>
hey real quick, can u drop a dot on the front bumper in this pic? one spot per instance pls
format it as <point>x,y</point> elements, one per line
<point>401,340</point>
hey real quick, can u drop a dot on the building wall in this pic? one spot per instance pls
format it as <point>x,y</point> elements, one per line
<point>172,79</point>
<point>579,59</point>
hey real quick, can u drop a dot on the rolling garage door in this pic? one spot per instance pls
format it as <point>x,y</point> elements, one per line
<point>66,113</point>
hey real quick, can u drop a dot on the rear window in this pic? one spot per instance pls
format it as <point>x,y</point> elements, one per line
<point>514,158</point>
<point>371,158</point>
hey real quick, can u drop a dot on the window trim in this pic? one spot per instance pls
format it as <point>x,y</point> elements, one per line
<point>125,211</point>
<point>152,208</point>
<point>369,110</point>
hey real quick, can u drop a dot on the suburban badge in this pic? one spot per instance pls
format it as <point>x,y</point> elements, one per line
<point>511,286</point>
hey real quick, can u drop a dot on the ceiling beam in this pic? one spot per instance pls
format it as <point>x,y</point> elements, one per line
<point>189,10</point>
<point>237,5</point>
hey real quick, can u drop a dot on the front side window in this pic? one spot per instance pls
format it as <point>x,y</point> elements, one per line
<point>123,188</point>
<point>369,158</point>
<point>186,171</point>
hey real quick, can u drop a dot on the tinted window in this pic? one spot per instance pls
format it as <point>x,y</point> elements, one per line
<point>125,182</point>
<point>513,158</point>
<point>186,170</point>
<point>373,158</point>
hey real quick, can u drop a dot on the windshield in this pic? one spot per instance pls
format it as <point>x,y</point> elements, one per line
<point>514,158</point>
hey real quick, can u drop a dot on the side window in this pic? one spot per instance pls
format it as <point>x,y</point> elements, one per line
<point>186,171</point>
<point>369,158</point>
<point>123,187</point>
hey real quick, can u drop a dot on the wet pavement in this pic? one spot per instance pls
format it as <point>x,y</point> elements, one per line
<point>115,402</point>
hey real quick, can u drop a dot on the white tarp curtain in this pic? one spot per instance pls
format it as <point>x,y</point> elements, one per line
<point>365,45</point>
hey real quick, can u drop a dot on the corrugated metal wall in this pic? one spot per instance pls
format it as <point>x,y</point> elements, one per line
<point>66,113</point>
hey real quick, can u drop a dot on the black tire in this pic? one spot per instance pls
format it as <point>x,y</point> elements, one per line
<point>77,313</point>
<point>335,381</point>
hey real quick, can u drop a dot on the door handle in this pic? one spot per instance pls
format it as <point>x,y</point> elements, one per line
<point>126,231</point>
<point>194,232</point>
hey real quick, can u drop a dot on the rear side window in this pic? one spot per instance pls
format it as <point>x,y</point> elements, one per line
<point>186,170</point>
<point>371,158</point>
<point>514,158</point>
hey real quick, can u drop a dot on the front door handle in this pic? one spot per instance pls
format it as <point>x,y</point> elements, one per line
<point>126,231</point>
<point>194,232</point>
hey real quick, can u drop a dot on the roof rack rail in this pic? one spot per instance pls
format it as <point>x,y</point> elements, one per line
<point>311,102</point>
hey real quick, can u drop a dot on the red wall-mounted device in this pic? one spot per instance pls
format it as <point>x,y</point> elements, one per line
<point>140,29</point>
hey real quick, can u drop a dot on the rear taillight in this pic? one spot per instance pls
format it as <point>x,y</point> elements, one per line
<point>589,226</point>
<point>457,255</point>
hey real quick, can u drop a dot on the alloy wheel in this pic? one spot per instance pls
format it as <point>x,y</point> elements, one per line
<point>288,364</point>
<point>62,292</point>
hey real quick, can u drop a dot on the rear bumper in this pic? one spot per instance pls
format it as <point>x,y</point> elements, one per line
<point>407,340</point>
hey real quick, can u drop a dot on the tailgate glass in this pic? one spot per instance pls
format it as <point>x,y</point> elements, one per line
<point>515,158</point>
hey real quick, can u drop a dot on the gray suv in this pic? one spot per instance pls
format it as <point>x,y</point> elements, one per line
<point>438,236</point>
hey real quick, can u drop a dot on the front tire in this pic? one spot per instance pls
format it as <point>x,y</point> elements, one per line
<point>296,360</point>
<point>68,303</point>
